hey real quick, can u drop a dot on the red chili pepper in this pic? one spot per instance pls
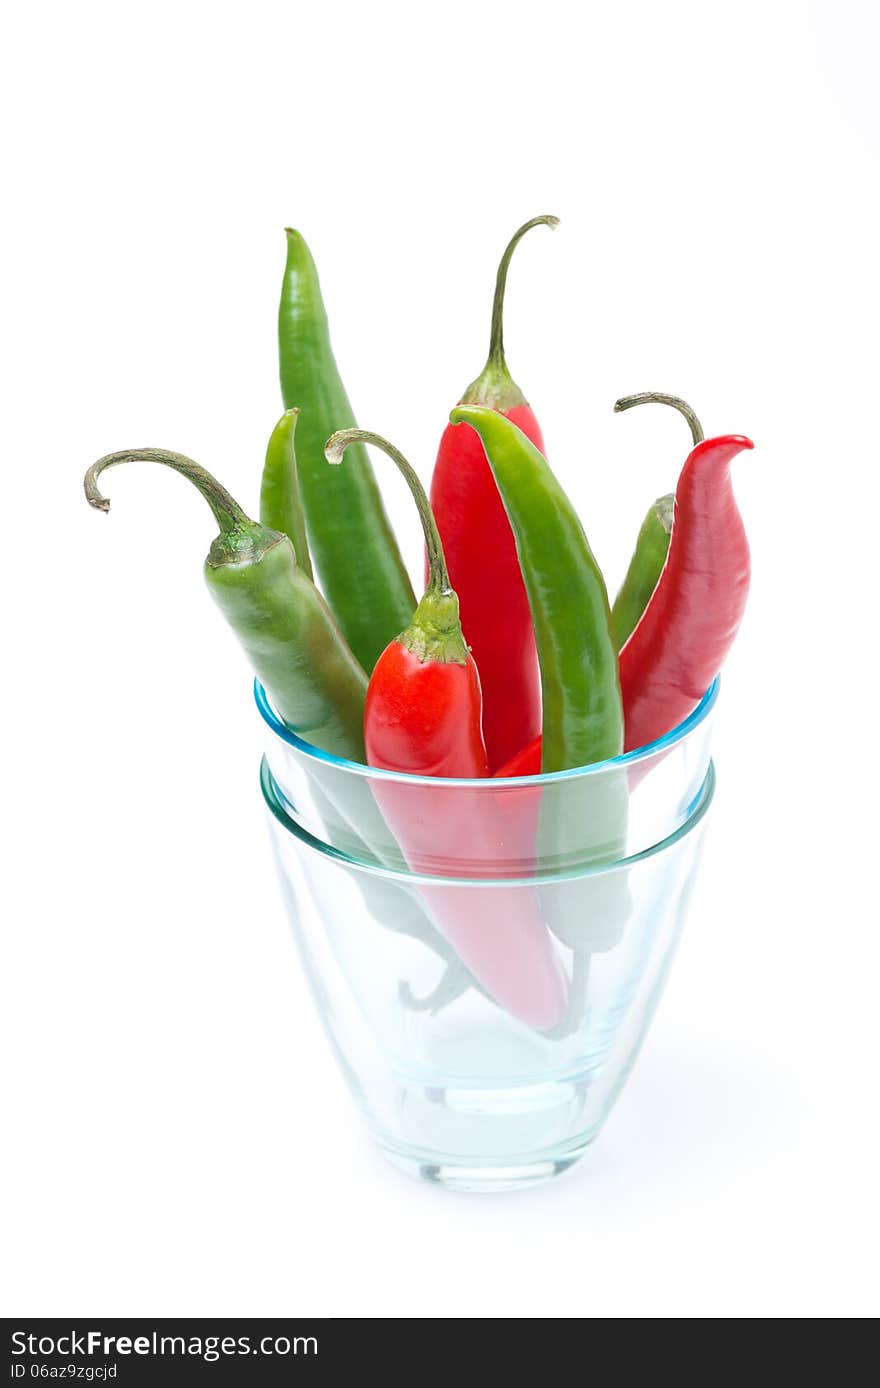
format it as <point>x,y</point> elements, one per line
<point>424,706</point>
<point>689,624</point>
<point>481,552</point>
<point>422,717</point>
<point>688,627</point>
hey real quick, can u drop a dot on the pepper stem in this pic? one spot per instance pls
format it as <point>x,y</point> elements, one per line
<point>495,386</point>
<point>496,339</point>
<point>227,512</point>
<point>653,397</point>
<point>334,449</point>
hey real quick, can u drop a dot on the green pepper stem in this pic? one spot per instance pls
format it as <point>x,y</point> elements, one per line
<point>334,450</point>
<point>496,339</point>
<point>227,512</point>
<point>653,397</point>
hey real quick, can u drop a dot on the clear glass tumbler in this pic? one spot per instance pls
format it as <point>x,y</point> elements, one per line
<point>595,813</point>
<point>486,956</point>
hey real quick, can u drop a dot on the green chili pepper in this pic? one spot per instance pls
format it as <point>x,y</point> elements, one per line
<point>392,902</point>
<point>353,545</point>
<point>652,544</point>
<point>280,491</point>
<point>645,568</point>
<point>281,620</point>
<point>583,713</point>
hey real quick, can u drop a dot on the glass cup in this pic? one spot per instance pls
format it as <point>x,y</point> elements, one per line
<point>486,956</point>
<point>596,813</point>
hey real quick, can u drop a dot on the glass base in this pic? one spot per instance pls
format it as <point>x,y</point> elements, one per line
<point>482,1179</point>
<point>474,1136</point>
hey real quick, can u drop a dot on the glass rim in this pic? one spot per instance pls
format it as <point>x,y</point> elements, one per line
<point>625,759</point>
<point>696,812</point>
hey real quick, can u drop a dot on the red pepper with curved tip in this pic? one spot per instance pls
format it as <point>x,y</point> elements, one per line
<point>422,717</point>
<point>685,632</point>
<point>481,551</point>
<point>689,624</point>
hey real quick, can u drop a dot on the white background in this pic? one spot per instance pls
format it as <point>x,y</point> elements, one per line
<point>179,1141</point>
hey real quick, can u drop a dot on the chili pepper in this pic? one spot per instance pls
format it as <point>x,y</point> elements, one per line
<point>424,707</point>
<point>346,810</point>
<point>392,902</point>
<point>353,546</point>
<point>281,620</point>
<point>481,551</point>
<point>641,578</point>
<point>584,820</point>
<point>280,490</point>
<point>387,904</point>
<point>652,544</point>
<point>422,716</point>
<point>693,616</point>
<point>583,719</point>
<point>644,569</point>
